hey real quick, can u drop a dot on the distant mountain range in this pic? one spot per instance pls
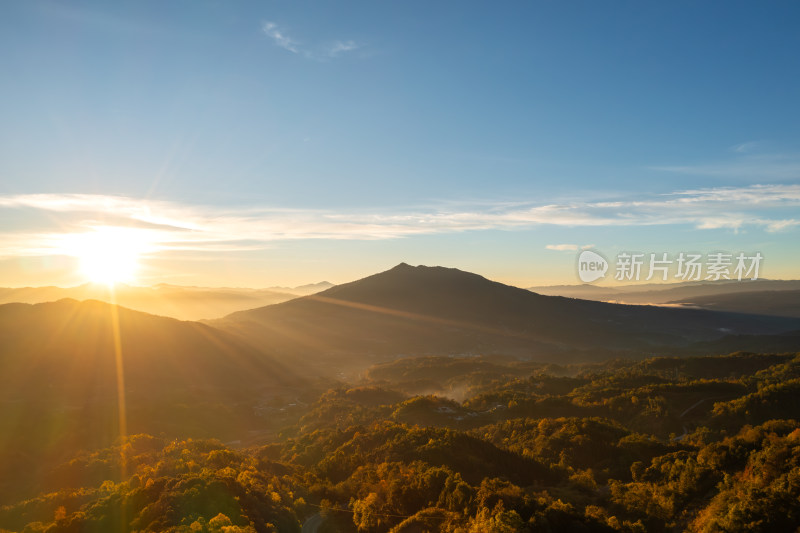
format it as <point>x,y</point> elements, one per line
<point>177,301</point>
<point>209,303</point>
<point>434,310</point>
<point>662,293</point>
<point>303,290</point>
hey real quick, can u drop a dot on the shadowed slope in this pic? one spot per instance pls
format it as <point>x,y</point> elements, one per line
<point>776,303</point>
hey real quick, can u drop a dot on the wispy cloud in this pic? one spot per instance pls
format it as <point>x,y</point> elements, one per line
<point>279,37</point>
<point>339,47</point>
<point>562,247</point>
<point>780,225</point>
<point>318,52</point>
<point>174,226</point>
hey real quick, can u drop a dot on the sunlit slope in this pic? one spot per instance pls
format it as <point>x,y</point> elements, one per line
<point>70,344</point>
<point>434,310</point>
<point>59,381</point>
<point>59,376</point>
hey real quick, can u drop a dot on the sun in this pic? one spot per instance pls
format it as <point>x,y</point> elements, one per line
<point>107,255</point>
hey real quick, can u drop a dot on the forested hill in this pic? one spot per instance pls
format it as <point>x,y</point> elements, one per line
<point>695,444</point>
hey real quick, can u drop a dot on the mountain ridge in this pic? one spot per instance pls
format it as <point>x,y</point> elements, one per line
<point>177,301</point>
<point>436,310</point>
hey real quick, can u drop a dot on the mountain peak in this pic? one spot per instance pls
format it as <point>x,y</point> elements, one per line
<point>419,287</point>
<point>424,269</point>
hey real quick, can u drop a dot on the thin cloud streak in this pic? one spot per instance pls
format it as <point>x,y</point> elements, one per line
<point>745,147</point>
<point>320,53</point>
<point>166,225</point>
<point>339,47</point>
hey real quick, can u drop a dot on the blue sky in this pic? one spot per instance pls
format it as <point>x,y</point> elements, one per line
<point>271,143</point>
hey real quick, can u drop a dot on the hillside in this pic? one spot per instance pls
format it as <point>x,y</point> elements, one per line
<point>59,378</point>
<point>57,343</point>
<point>434,310</point>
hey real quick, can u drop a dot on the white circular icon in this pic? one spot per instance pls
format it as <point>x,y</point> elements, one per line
<point>591,266</point>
